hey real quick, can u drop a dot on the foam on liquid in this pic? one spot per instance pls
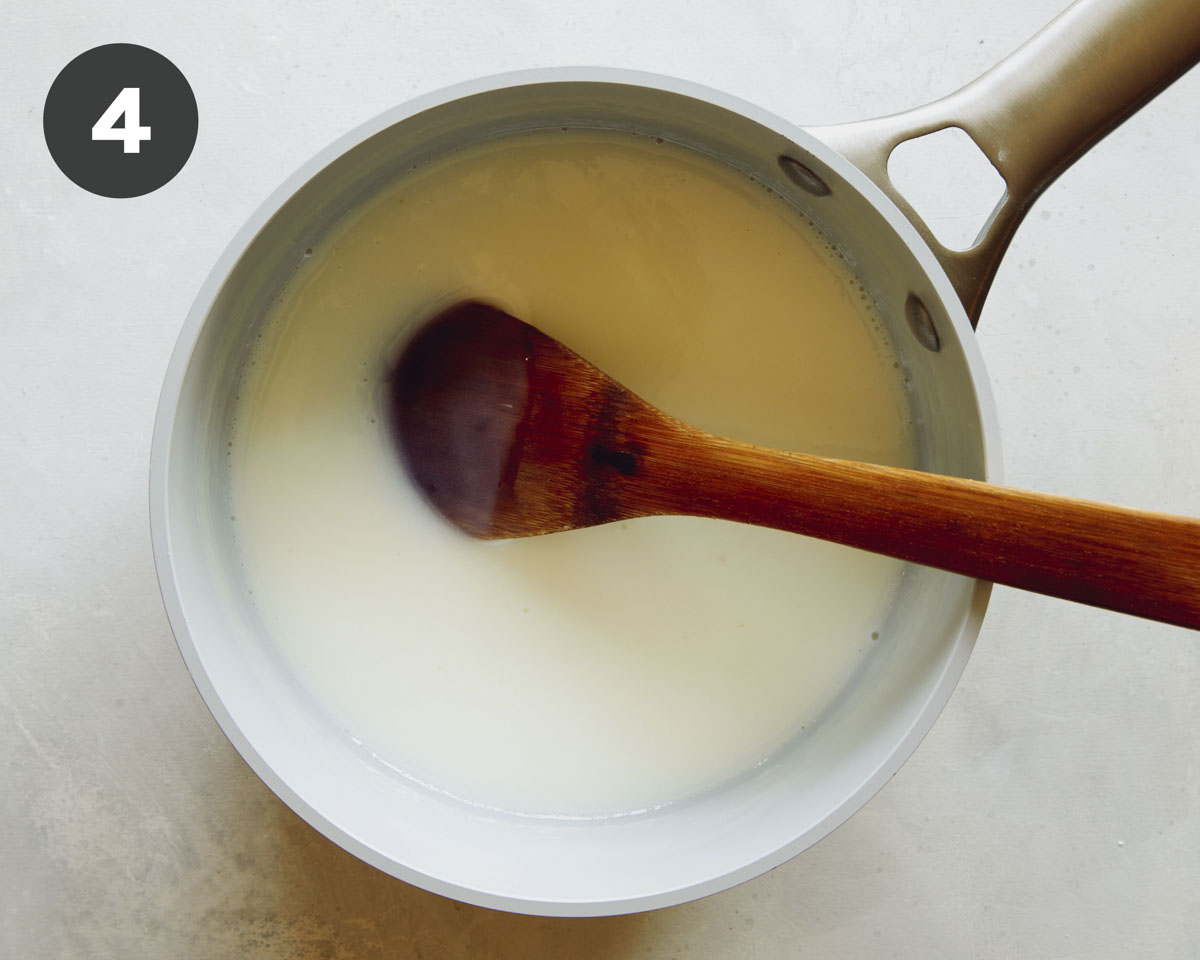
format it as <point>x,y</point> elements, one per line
<point>606,670</point>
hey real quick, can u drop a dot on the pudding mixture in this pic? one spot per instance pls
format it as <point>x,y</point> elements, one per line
<point>603,671</point>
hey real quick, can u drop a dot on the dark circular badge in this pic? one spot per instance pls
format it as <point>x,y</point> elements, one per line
<point>120,120</point>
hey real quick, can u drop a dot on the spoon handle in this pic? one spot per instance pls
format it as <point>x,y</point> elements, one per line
<point>1133,561</point>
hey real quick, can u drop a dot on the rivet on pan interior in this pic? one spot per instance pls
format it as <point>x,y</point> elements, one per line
<point>803,177</point>
<point>921,323</point>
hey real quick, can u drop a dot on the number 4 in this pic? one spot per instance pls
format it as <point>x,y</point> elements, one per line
<point>128,104</point>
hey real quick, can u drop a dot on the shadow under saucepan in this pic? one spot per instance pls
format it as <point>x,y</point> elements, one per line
<point>307,897</point>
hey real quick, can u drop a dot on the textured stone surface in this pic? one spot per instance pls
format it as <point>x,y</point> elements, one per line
<point>1052,811</point>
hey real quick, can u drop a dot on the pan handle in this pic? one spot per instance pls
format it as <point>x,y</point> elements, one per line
<point>1035,113</point>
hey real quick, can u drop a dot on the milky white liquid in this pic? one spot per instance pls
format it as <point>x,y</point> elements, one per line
<point>606,670</point>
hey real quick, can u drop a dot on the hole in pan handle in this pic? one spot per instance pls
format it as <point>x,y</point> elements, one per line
<point>1035,113</point>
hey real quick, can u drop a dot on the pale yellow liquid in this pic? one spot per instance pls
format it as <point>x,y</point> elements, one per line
<point>606,670</point>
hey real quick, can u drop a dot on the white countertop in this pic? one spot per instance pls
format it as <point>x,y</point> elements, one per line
<point>1053,811</point>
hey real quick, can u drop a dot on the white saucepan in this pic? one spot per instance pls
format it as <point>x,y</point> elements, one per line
<point>1032,116</point>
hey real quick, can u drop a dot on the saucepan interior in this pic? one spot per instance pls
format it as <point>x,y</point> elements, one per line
<point>528,864</point>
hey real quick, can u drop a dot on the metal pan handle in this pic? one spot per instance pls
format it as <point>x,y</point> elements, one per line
<point>1035,113</point>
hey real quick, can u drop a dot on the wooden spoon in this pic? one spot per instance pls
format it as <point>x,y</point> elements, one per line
<point>508,433</point>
